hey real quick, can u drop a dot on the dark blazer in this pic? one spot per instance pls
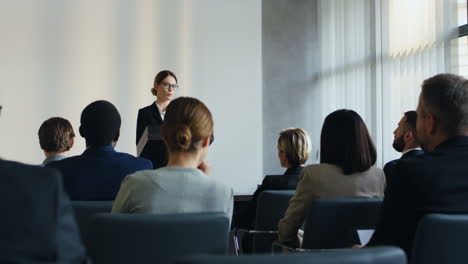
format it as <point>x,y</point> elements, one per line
<point>288,181</point>
<point>97,173</point>
<point>435,182</point>
<point>390,166</point>
<point>150,117</point>
<point>37,222</point>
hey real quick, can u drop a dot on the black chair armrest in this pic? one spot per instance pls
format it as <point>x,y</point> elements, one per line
<point>252,232</point>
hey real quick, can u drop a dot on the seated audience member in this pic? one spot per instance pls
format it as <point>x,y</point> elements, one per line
<point>98,172</point>
<point>37,222</point>
<point>404,141</point>
<point>437,181</point>
<point>56,136</point>
<point>184,185</point>
<point>347,156</point>
<point>294,148</point>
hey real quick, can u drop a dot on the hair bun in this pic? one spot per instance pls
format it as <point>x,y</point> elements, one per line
<point>183,137</point>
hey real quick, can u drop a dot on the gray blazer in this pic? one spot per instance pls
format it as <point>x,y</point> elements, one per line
<point>172,190</point>
<point>327,181</point>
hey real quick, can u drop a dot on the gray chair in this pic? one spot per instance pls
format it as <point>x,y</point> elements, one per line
<point>85,210</point>
<point>140,238</point>
<point>377,255</point>
<point>271,207</point>
<point>441,238</point>
<point>333,223</point>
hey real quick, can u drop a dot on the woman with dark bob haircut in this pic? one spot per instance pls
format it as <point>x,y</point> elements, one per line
<point>345,170</point>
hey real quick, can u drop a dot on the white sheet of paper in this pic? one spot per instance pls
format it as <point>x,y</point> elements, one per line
<point>365,235</point>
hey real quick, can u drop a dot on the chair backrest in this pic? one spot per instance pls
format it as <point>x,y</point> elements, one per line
<point>282,182</point>
<point>85,210</point>
<point>441,238</point>
<point>333,223</point>
<point>376,255</point>
<point>140,238</point>
<point>271,207</point>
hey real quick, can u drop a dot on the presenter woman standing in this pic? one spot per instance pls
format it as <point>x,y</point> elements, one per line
<point>152,116</point>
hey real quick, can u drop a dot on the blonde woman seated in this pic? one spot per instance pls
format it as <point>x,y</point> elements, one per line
<point>184,185</point>
<point>345,170</point>
<point>294,148</point>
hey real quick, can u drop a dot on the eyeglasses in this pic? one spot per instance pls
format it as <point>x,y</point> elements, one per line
<point>167,85</point>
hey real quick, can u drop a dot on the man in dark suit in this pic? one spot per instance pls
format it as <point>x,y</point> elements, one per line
<point>98,172</point>
<point>37,222</point>
<point>435,182</point>
<point>404,141</point>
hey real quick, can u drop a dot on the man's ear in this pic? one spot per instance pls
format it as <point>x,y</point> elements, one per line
<point>431,124</point>
<point>408,135</point>
<point>82,131</point>
<point>117,135</point>
<point>72,142</point>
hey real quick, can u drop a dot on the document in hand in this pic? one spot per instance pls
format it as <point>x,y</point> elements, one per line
<point>365,235</point>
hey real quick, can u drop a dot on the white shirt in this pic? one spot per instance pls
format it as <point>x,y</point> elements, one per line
<point>160,111</point>
<point>408,150</point>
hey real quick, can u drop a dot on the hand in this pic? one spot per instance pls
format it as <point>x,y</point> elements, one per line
<point>205,167</point>
<point>357,246</point>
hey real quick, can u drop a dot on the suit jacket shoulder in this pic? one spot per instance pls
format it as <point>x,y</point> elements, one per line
<point>390,166</point>
<point>98,173</point>
<point>435,182</point>
<point>39,204</point>
<point>330,182</point>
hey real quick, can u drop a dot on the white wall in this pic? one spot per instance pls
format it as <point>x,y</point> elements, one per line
<point>58,56</point>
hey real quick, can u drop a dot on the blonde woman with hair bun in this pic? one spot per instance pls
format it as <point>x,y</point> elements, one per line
<point>184,185</point>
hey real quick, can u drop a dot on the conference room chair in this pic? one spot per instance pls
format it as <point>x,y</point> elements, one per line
<point>85,210</point>
<point>150,238</point>
<point>441,238</point>
<point>376,255</point>
<point>271,206</point>
<point>333,223</point>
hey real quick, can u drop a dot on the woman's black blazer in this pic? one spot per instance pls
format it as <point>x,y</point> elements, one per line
<point>150,117</point>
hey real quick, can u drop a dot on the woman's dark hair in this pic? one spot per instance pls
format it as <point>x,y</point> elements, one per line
<point>346,143</point>
<point>160,77</point>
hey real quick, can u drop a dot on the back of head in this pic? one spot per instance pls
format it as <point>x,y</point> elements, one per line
<point>186,123</point>
<point>345,142</point>
<point>295,143</point>
<point>445,96</point>
<point>100,123</point>
<point>56,135</point>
